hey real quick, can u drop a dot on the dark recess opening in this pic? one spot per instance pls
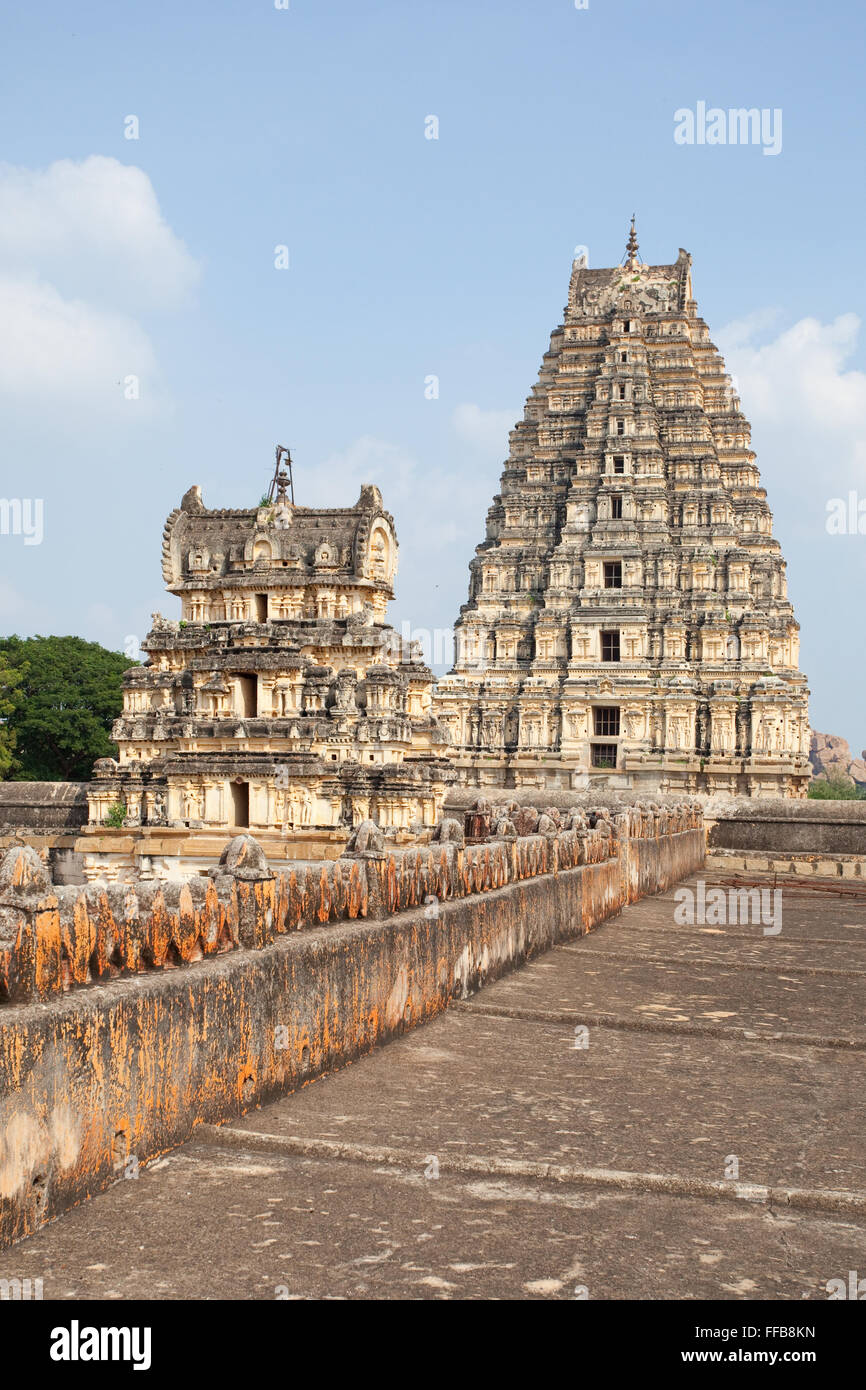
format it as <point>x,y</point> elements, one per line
<point>606,718</point>
<point>241,803</point>
<point>604,755</point>
<point>248,686</point>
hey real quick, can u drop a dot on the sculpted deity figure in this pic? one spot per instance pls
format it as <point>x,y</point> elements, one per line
<point>307,807</point>
<point>721,733</point>
<point>677,735</point>
<point>577,721</point>
<point>491,731</point>
<point>633,723</point>
<point>764,734</point>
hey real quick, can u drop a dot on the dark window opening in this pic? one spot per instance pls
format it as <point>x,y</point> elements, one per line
<point>618,463</point>
<point>622,393</point>
<point>613,574</point>
<point>620,426</point>
<point>616,507</point>
<point>604,755</point>
<point>623,357</point>
<point>610,645</point>
<point>241,804</point>
<point>607,720</point>
<point>249,694</point>
<point>261,608</point>
<point>626,326</point>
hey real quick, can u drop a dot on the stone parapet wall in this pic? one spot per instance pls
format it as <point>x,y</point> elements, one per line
<point>303,972</point>
<point>40,808</point>
<point>56,938</point>
<point>788,866</point>
<point>787,827</point>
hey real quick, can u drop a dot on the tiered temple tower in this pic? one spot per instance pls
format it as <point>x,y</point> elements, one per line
<point>628,620</point>
<point>280,700</point>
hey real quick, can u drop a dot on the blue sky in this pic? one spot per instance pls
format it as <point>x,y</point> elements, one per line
<point>154,258</point>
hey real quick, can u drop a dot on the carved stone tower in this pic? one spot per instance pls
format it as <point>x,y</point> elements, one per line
<point>281,699</point>
<point>628,621</point>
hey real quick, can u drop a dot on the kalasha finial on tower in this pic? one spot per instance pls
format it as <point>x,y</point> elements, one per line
<point>282,478</point>
<point>631,249</point>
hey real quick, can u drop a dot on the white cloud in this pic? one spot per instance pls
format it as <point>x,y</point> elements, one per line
<point>484,429</point>
<point>365,460</point>
<point>807,405</point>
<point>93,228</point>
<point>740,331</point>
<point>65,350</point>
<point>83,249</point>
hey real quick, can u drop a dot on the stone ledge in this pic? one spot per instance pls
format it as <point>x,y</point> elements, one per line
<point>131,1068</point>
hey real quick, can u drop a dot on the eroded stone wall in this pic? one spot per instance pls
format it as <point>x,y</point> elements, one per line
<point>128,1018</point>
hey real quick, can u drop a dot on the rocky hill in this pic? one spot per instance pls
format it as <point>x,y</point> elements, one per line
<point>830,757</point>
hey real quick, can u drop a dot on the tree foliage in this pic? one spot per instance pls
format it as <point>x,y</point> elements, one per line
<point>68,696</point>
<point>835,789</point>
<point>10,697</point>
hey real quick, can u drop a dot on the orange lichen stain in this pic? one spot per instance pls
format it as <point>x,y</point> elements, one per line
<point>281,904</point>
<point>48,974</point>
<point>208,921</point>
<point>323,909</point>
<point>186,930</point>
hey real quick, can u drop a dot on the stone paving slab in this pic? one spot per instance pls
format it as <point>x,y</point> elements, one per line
<point>211,1222</point>
<point>807,913</point>
<point>511,1088</point>
<point>492,1093</point>
<point>844,950</point>
<point>689,992</point>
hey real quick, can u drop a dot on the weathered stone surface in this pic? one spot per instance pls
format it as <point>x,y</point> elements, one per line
<point>42,807</point>
<point>92,1076</point>
<point>781,825</point>
<point>331,1192</point>
<point>628,620</point>
<point>281,700</point>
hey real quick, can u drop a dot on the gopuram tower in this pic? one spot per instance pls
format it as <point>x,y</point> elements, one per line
<point>280,700</point>
<point>628,621</point>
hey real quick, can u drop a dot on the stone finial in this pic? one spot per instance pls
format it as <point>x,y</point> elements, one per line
<point>22,871</point>
<point>366,837</point>
<point>191,500</point>
<point>243,858</point>
<point>449,831</point>
<point>631,250</point>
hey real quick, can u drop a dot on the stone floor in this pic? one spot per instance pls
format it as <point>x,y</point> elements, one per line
<point>572,1131</point>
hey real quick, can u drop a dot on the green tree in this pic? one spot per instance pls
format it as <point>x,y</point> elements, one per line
<point>70,693</point>
<point>835,789</point>
<point>10,697</point>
